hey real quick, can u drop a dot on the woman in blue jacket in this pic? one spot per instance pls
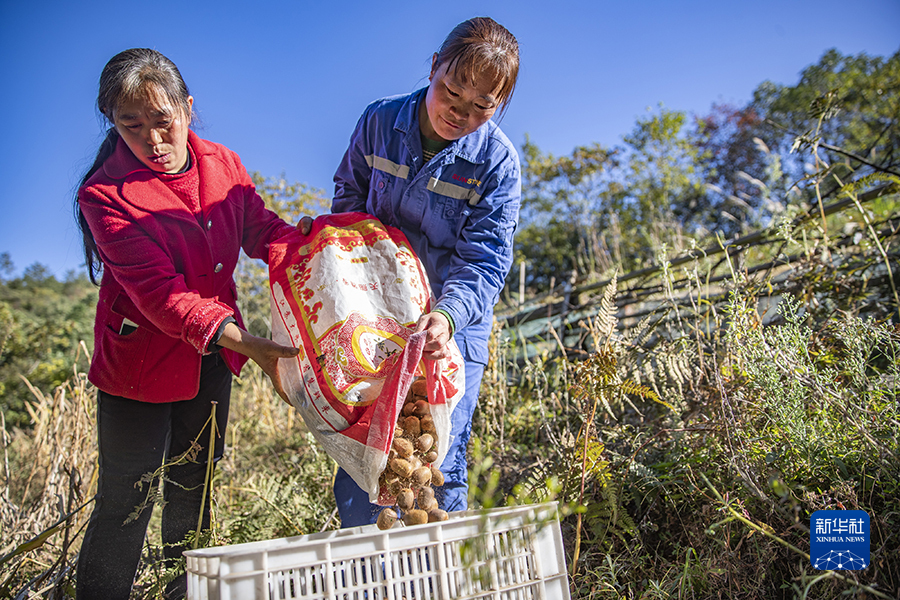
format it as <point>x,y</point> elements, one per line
<point>434,164</point>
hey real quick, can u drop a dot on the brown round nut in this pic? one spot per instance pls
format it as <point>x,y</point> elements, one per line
<point>422,476</point>
<point>428,505</point>
<point>386,518</point>
<point>426,425</point>
<point>437,478</point>
<point>408,409</point>
<point>394,487</point>
<point>415,517</point>
<point>437,514</point>
<point>403,447</point>
<point>401,467</point>
<point>425,494</point>
<point>411,427</point>
<point>422,408</point>
<point>419,388</point>
<point>431,457</point>
<point>424,442</point>
<point>415,462</point>
<point>405,499</point>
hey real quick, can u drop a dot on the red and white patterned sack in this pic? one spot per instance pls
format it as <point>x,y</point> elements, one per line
<point>349,295</point>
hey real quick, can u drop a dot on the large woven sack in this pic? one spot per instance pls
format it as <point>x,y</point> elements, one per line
<point>349,295</point>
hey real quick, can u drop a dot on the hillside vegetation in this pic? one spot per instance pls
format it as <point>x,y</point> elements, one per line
<point>698,347</point>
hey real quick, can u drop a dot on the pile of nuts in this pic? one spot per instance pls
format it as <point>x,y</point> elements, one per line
<point>410,474</point>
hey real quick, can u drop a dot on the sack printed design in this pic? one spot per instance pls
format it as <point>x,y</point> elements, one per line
<point>349,295</point>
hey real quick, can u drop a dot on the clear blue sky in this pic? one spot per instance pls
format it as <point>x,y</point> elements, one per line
<point>282,83</point>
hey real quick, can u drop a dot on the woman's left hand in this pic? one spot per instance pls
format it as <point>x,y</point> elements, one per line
<point>438,328</point>
<point>262,351</point>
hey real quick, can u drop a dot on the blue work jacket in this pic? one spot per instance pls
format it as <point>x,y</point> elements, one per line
<point>459,210</point>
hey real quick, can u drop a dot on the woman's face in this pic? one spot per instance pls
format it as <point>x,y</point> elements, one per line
<point>455,108</point>
<point>155,131</point>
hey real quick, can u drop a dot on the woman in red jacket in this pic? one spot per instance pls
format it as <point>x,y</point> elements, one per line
<point>164,215</point>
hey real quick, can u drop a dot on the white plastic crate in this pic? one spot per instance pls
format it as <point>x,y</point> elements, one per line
<point>513,553</point>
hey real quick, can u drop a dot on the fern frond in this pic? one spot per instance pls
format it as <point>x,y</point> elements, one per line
<point>649,373</point>
<point>595,374</point>
<point>635,335</point>
<point>607,407</point>
<point>591,458</point>
<point>608,516</point>
<point>603,363</point>
<point>607,317</point>
<point>855,187</point>
<point>646,326</point>
<point>643,474</point>
<point>673,371</point>
<point>630,387</point>
<point>536,484</point>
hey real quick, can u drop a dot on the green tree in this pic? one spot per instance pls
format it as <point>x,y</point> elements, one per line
<point>558,232</point>
<point>599,208</point>
<point>730,172</point>
<point>42,322</point>
<point>661,184</point>
<point>6,266</point>
<point>745,185</point>
<point>859,96</point>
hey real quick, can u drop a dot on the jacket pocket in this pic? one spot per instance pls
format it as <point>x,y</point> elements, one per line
<point>445,220</point>
<point>381,188</point>
<point>119,357</point>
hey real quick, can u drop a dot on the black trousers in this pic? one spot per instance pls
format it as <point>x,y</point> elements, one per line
<point>135,438</point>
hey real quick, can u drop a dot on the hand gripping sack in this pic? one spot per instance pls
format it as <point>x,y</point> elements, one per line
<point>349,295</point>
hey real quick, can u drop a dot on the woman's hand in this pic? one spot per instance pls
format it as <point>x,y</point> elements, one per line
<point>262,351</point>
<point>305,225</point>
<point>438,328</point>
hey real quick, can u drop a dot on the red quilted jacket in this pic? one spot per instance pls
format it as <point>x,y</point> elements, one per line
<point>168,270</point>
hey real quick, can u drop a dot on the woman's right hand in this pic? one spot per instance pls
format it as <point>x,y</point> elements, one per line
<point>305,225</point>
<point>262,351</point>
<point>438,334</point>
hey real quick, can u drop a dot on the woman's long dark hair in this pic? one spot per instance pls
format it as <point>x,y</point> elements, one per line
<point>126,77</point>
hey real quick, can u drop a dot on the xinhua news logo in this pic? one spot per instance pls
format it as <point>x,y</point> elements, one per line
<point>839,540</point>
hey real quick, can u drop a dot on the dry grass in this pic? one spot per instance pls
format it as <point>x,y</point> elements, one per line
<point>272,482</point>
<point>49,474</point>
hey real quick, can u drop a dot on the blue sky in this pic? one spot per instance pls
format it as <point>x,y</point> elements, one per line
<point>283,83</point>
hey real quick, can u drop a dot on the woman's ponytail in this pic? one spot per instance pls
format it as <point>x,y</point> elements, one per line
<point>91,255</point>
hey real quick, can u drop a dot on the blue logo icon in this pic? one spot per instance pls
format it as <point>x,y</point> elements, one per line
<point>839,540</point>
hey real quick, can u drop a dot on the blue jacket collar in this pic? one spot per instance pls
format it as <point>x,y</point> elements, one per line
<point>471,148</point>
